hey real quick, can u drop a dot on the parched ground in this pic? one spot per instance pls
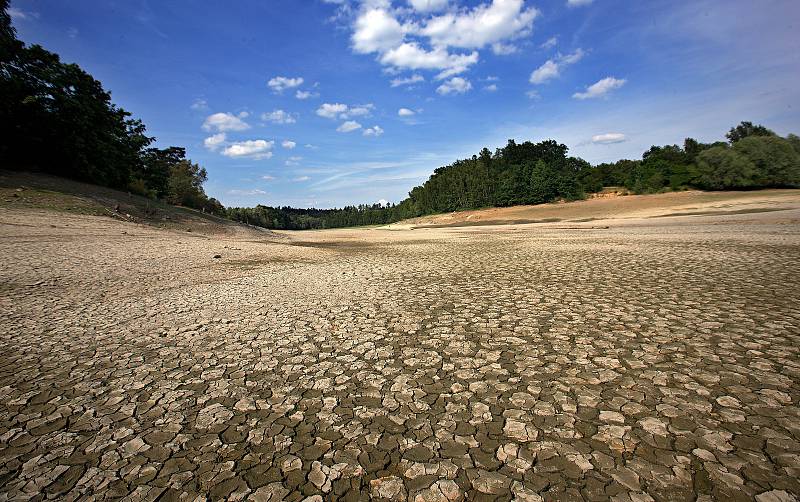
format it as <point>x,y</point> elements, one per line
<point>635,359</point>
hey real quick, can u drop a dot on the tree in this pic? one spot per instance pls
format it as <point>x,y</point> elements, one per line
<point>721,167</point>
<point>186,185</point>
<point>776,162</point>
<point>747,129</point>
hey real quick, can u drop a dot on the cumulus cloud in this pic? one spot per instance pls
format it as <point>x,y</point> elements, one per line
<point>331,110</point>
<point>600,88</point>
<point>343,111</point>
<point>426,6</point>
<point>293,160</point>
<point>413,57</point>
<point>608,138</point>
<point>305,94</point>
<point>551,68</point>
<point>548,70</point>
<point>256,149</point>
<point>349,126</point>
<point>214,142</point>
<point>424,38</point>
<point>288,144</point>
<point>485,24</point>
<point>222,122</point>
<point>376,30</point>
<point>455,85</point>
<point>280,84</point>
<point>373,131</point>
<point>279,117</point>
<point>578,3</point>
<point>405,112</point>
<point>413,79</point>
<point>491,88</point>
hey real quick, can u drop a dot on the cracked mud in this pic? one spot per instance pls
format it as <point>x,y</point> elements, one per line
<point>656,361</point>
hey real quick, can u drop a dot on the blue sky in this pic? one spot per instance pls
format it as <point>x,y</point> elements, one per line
<point>331,102</point>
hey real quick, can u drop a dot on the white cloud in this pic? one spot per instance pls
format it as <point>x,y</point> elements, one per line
<point>19,14</point>
<point>504,49</point>
<point>349,126</point>
<point>343,111</point>
<point>383,202</point>
<point>331,110</point>
<point>423,38</point>
<point>373,131</point>
<point>600,88</point>
<point>426,6</point>
<point>413,57</point>
<point>548,70</point>
<point>199,104</point>
<point>279,117</point>
<point>359,110</point>
<point>550,43</point>
<point>305,94</point>
<point>485,24</point>
<point>413,79</point>
<point>578,3</point>
<point>608,138</point>
<point>267,177</point>
<point>376,30</point>
<point>491,88</point>
<point>533,94</point>
<point>301,178</point>
<point>279,84</point>
<point>288,144</point>
<point>254,149</point>
<point>222,122</point>
<point>214,142</point>
<point>405,112</point>
<point>254,191</point>
<point>293,160</point>
<point>455,85</point>
<point>551,68</point>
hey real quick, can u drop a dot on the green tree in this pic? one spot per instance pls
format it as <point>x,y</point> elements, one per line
<point>186,185</point>
<point>721,167</point>
<point>777,163</point>
<point>745,130</point>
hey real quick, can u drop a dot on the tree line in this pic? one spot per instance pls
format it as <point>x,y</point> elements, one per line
<point>56,118</point>
<point>534,173</point>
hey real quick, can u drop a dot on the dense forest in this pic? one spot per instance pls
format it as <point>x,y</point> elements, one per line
<point>535,173</point>
<point>56,118</point>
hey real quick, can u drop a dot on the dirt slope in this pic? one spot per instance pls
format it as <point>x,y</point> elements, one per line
<point>613,209</point>
<point>21,193</point>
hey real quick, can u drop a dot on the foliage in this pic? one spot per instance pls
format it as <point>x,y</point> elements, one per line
<point>745,130</point>
<point>776,161</point>
<point>56,118</point>
<point>722,167</point>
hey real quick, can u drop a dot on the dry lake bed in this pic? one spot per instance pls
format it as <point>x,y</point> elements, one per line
<point>633,359</point>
